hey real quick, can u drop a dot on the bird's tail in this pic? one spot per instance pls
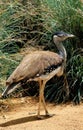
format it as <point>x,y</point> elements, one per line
<point>9,89</point>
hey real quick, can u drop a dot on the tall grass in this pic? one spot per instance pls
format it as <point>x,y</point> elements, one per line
<point>24,23</point>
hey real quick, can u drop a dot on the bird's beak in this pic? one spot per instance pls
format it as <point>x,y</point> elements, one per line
<point>70,35</point>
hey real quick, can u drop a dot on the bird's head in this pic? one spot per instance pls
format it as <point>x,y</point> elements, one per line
<point>61,36</point>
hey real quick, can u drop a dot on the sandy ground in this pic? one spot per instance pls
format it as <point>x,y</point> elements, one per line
<point>20,114</point>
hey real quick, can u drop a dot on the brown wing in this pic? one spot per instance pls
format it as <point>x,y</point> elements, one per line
<point>35,64</point>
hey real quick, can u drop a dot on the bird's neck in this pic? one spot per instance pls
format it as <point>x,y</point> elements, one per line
<point>61,49</point>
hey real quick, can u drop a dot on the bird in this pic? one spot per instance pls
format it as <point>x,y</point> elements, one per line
<point>40,66</point>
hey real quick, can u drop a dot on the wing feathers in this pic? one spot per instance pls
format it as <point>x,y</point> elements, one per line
<point>34,64</point>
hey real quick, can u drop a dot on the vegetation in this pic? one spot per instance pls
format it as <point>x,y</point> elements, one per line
<point>28,23</point>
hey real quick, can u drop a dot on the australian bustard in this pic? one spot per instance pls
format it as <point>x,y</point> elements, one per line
<point>40,66</point>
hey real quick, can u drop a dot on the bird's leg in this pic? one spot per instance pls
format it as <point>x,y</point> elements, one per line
<point>40,99</point>
<point>43,99</point>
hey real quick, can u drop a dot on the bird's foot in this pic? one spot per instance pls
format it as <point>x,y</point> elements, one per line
<point>40,117</point>
<point>49,115</point>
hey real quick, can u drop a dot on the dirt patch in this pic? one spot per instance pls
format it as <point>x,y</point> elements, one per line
<point>20,114</point>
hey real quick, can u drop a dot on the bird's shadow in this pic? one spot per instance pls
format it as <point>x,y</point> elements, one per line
<point>20,121</point>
